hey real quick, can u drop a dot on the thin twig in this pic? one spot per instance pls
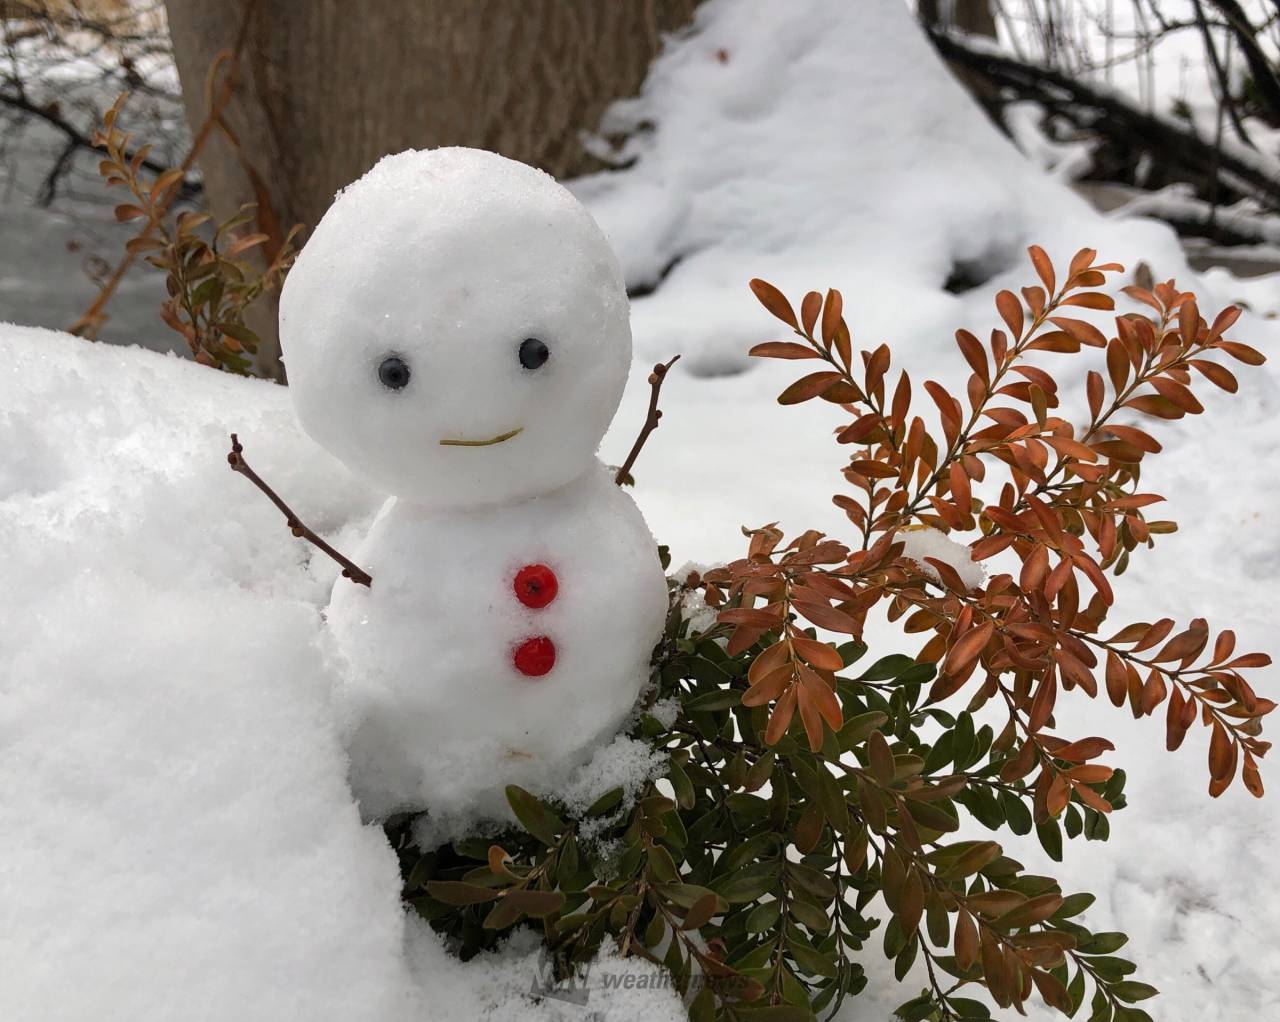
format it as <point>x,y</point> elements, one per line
<point>77,139</point>
<point>1180,147</point>
<point>350,569</point>
<point>650,421</point>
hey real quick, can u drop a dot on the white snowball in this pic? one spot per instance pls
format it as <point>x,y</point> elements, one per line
<point>439,716</point>
<point>449,259</point>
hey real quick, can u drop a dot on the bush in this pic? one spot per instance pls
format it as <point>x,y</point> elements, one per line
<point>210,281</point>
<point>803,786</point>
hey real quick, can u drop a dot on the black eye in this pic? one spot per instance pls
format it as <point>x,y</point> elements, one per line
<point>533,353</point>
<point>394,372</point>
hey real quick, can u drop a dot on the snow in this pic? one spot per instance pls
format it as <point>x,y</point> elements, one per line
<point>178,825</point>
<point>919,544</point>
<point>179,833</point>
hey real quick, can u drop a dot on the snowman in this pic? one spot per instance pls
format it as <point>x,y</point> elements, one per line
<point>456,333</point>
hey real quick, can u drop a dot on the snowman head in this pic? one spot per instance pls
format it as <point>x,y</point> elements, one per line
<point>456,330</point>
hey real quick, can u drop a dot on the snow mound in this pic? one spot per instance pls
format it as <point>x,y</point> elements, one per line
<point>179,832</point>
<point>822,144</point>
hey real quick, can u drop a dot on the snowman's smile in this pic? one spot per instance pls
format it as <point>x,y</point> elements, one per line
<point>483,443</point>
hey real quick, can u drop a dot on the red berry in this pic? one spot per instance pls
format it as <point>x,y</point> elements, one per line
<point>536,585</point>
<point>535,657</point>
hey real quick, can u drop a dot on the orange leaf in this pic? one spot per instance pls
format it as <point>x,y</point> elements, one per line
<point>823,697</point>
<point>1044,267</point>
<point>775,301</point>
<point>1010,310</point>
<point>831,312</point>
<point>1242,352</point>
<point>808,387</point>
<point>809,309</point>
<point>783,349</point>
<point>780,719</point>
<point>753,617</point>
<point>819,654</point>
<point>968,647</point>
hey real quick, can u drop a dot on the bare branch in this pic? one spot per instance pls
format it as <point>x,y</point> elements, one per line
<point>350,569</point>
<point>77,139</point>
<point>1109,113</point>
<point>651,421</point>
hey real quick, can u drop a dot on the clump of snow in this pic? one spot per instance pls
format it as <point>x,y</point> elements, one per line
<point>626,763</point>
<point>694,608</point>
<point>175,790</point>
<point>921,543</point>
<point>665,711</point>
<point>1066,161</point>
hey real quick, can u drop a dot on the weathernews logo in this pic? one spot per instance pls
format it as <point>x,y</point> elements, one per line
<point>558,980</point>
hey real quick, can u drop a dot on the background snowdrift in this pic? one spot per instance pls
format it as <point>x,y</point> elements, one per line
<point>179,838</point>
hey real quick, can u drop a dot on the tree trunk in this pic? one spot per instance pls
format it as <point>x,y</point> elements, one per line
<point>327,87</point>
<point>973,16</point>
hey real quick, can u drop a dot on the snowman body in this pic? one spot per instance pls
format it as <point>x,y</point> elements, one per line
<point>494,674</point>
<point>456,331</point>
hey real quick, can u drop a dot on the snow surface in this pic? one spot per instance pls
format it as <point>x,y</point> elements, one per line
<point>179,838</point>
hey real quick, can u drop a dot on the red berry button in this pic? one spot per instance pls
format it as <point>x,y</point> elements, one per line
<point>536,585</point>
<point>535,657</point>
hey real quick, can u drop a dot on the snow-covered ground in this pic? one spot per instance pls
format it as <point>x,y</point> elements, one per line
<point>179,840</point>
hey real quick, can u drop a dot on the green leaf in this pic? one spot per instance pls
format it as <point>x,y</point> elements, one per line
<point>933,815</point>
<point>1073,905</point>
<point>611,799</point>
<point>835,807</point>
<point>720,700</point>
<point>1131,991</point>
<point>810,916</point>
<point>662,865</point>
<point>812,962</point>
<point>1103,943</point>
<point>1050,835</point>
<point>681,785</point>
<point>538,904</point>
<point>1016,813</point>
<point>887,667</point>
<point>534,815</point>
<point>687,895</point>
<point>763,917</point>
<point>455,892</point>
<point>741,890</point>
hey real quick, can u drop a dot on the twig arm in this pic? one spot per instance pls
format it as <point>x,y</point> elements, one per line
<point>651,420</point>
<point>350,569</point>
